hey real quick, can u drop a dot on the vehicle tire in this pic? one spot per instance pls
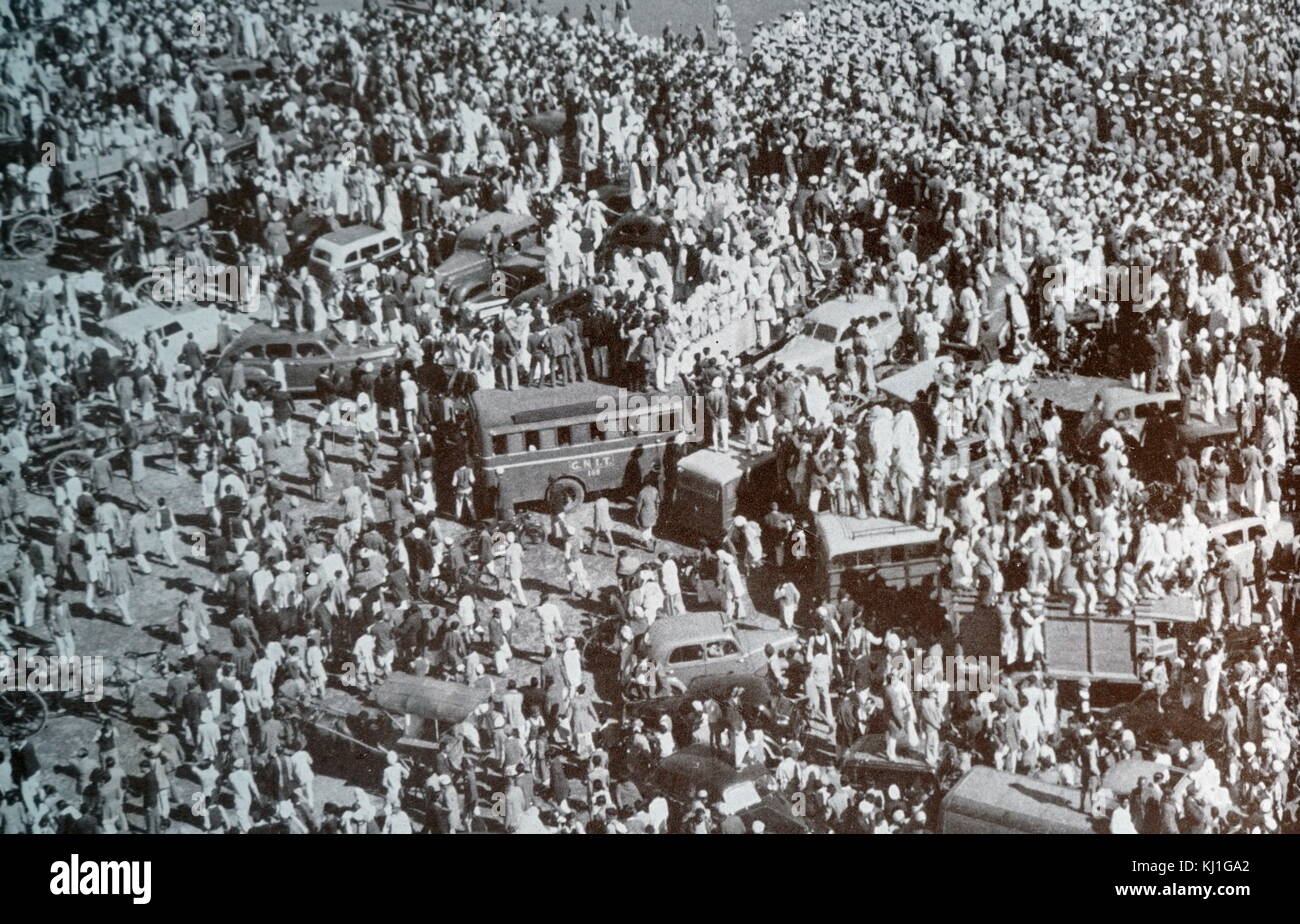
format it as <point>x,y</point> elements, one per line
<point>565,494</point>
<point>72,462</point>
<point>32,236</point>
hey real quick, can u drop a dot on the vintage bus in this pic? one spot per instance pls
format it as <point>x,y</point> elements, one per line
<point>561,444</point>
<point>903,555</point>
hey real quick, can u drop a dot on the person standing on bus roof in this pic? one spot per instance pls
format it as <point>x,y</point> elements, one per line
<point>504,349</point>
<point>557,347</point>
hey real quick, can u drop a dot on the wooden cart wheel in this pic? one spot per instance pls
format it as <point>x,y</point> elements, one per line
<point>66,464</point>
<point>22,713</point>
<point>143,289</point>
<point>32,236</point>
<point>565,494</point>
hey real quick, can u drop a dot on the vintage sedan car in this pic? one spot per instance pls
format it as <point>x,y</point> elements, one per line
<point>829,327</point>
<point>1144,418</point>
<point>749,793</point>
<point>304,353</point>
<point>469,267</point>
<point>697,644</point>
<point>509,287</point>
<point>169,328</point>
<point>637,229</point>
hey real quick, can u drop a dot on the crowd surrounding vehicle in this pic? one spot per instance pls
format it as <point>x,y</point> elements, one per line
<point>304,354</point>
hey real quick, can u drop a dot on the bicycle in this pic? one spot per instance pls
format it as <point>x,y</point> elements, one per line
<point>129,673</point>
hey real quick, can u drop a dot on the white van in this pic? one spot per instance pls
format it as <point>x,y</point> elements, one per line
<point>1240,534</point>
<point>171,328</point>
<point>346,250</point>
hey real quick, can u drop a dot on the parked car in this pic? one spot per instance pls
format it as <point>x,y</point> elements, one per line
<point>1143,416</point>
<point>239,69</point>
<point>748,793</point>
<point>697,644</point>
<point>637,229</point>
<point>761,707</point>
<point>515,278</point>
<point>829,327</point>
<point>1240,535</point>
<point>346,250</point>
<point>171,329</point>
<point>469,266</point>
<point>304,353</point>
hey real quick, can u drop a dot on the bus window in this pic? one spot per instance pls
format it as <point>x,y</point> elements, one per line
<point>900,553</point>
<point>532,439</point>
<point>1257,532</point>
<point>564,436</point>
<point>500,445</point>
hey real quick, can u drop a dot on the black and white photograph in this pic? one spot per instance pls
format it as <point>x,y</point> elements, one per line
<point>754,417</point>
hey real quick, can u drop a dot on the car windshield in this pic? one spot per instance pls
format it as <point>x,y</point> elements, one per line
<point>739,797</point>
<point>469,239</point>
<point>826,332</point>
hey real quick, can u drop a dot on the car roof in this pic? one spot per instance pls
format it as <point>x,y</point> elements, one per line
<point>686,629</point>
<point>509,222</point>
<point>712,464</point>
<point>345,236</point>
<point>853,534</point>
<point>1123,776</point>
<point>705,765</point>
<point>1123,395</point>
<point>840,311</point>
<point>131,324</point>
<point>1231,523</point>
<point>262,333</point>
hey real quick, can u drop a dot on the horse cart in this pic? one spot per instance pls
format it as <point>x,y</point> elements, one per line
<point>70,452</point>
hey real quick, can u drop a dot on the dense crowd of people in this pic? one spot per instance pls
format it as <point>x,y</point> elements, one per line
<point>952,162</point>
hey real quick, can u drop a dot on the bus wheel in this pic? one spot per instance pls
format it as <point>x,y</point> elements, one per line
<point>565,494</point>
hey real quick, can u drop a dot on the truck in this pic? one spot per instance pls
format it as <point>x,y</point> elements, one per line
<point>1100,646</point>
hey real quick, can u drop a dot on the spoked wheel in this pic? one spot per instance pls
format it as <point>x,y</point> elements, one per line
<point>22,713</point>
<point>565,495</point>
<point>67,464</point>
<point>827,253</point>
<point>853,405</point>
<point>32,236</point>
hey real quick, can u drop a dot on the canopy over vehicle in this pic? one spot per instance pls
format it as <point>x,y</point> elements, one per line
<point>428,698</point>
